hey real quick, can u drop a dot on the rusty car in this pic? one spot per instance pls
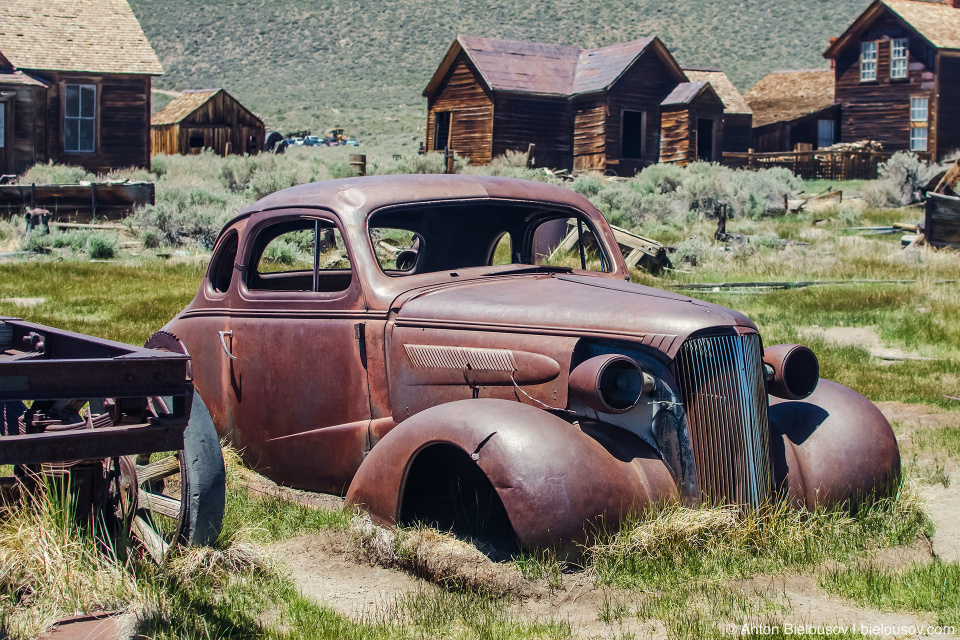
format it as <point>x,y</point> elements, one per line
<point>420,345</point>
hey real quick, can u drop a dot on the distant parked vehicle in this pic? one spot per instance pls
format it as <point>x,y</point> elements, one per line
<point>352,143</point>
<point>312,141</point>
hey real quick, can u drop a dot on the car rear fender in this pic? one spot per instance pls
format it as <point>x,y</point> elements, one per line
<point>556,481</point>
<point>832,447</point>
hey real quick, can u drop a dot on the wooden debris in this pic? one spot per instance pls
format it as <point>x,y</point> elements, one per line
<point>942,223</point>
<point>640,252</point>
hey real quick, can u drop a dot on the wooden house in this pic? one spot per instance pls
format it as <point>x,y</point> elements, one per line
<point>794,110</point>
<point>897,76</point>
<point>74,85</point>
<point>593,109</point>
<point>737,114</point>
<point>206,119</point>
<point>691,124</point>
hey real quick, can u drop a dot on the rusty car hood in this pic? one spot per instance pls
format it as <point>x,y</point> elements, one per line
<point>566,304</point>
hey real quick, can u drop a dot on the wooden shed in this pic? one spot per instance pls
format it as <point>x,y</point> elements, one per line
<point>74,85</point>
<point>897,76</point>
<point>691,124</point>
<point>794,110</point>
<point>206,119</point>
<point>737,114</point>
<point>583,109</point>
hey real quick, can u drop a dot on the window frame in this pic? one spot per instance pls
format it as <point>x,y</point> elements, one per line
<point>448,113</point>
<point>268,296</point>
<point>643,134</point>
<point>95,118</point>
<point>894,45</point>
<point>864,47</point>
<point>833,131</point>
<point>918,124</point>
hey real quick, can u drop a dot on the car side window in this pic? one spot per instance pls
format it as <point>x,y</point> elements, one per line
<point>221,268</point>
<point>568,242</point>
<point>397,250</point>
<point>300,255</point>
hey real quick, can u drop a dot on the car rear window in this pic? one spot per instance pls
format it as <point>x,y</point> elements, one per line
<point>445,237</point>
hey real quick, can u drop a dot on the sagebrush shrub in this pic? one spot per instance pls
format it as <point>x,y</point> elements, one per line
<point>102,246</point>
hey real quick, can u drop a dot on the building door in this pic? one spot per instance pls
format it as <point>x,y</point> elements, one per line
<point>6,141</point>
<point>824,133</point>
<point>705,145</point>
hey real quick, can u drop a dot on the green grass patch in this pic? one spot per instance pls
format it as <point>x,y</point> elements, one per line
<point>933,587</point>
<point>942,441</point>
<point>269,518</point>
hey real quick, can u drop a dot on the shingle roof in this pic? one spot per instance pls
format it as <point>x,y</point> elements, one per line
<point>182,106</point>
<point>733,102</point>
<point>786,95</point>
<point>97,36</point>
<point>683,93</point>
<point>547,69</point>
<point>938,22</point>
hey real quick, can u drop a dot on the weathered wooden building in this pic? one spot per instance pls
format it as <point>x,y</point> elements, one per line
<point>691,124</point>
<point>794,110</point>
<point>74,85</point>
<point>897,76</point>
<point>595,109</point>
<point>206,119</point>
<point>737,114</point>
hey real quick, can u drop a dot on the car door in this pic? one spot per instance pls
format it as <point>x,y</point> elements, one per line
<point>298,385</point>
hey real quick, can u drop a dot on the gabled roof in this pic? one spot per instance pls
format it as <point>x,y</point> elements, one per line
<point>687,92</point>
<point>21,78</point>
<point>787,95</point>
<point>536,68</point>
<point>733,102</point>
<point>186,103</point>
<point>95,36</point>
<point>937,22</point>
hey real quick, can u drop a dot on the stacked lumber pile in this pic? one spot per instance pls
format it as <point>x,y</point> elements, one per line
<point>860,146</point>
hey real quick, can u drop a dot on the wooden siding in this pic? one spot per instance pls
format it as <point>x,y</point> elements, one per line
<point>785,136</point>
<point>589,139</point>
<point>219,121</point>
<point>642,88</point>
<point>463,93</point>
<point>737,129</point>
<point>675,135</point>
<point>880,110</point>
<point>948,107</point>
<point>519,122</point>
<point>26,127</point>
<point>123,121</point>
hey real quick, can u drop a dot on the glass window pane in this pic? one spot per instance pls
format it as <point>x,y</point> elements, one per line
<point>72,101</point>
<point>86,135</point>
<point>88,98</point>
<point>918,138</point>
<point>71,134</point>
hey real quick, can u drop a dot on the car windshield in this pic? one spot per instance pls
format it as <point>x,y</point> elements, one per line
<point>420,239</point>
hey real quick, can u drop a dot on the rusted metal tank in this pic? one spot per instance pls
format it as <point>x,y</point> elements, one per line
<point>425,354</point>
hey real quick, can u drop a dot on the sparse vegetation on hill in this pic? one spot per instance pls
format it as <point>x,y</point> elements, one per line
<point>303,64</point>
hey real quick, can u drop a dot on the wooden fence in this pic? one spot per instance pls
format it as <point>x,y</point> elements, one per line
<point>78,202</point>
<point>815,165</point>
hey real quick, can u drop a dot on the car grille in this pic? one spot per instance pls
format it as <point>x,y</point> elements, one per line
<point>725,401</point>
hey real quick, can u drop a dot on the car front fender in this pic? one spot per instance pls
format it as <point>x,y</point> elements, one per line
<point>557,482</point>
<point>833,447</point>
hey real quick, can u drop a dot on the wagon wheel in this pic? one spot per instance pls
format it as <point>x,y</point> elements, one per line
<point>179,498</point>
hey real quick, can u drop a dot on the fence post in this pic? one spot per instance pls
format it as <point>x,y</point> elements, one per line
<point>359,162</point>
<point>448,161</point>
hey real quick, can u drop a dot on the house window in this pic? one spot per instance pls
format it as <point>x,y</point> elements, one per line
<point>918,124</point>
<point>441,130</point>
<point>825,133</point>
<point>898,58</point>
<point>196,140</point>
<point>632,132</point>
<point>79,118</point>
<point>868,61</point>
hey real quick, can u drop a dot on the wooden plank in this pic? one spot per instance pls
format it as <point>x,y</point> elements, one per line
<point>942,223</point>
<point>87,444</point>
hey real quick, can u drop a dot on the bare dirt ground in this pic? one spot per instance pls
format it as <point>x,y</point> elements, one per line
<point>361,573</point>
<point>865,337</point>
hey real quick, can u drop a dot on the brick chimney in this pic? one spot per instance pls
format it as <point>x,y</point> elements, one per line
<point>833,61</point>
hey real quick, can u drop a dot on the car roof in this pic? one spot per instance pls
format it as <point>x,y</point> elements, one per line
<point>353,198</point>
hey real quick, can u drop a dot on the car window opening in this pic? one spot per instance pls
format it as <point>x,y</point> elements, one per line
<point>306,254</point>
<point>449,237</point>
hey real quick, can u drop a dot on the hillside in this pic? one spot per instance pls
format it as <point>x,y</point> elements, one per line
<point>363,64</point>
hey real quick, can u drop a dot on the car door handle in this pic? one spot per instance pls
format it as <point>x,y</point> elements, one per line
<point>223,343</point>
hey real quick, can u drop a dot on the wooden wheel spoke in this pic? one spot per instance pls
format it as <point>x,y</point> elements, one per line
<point>157,503</point>
<point>158,470</point>
<point>156,546</point>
